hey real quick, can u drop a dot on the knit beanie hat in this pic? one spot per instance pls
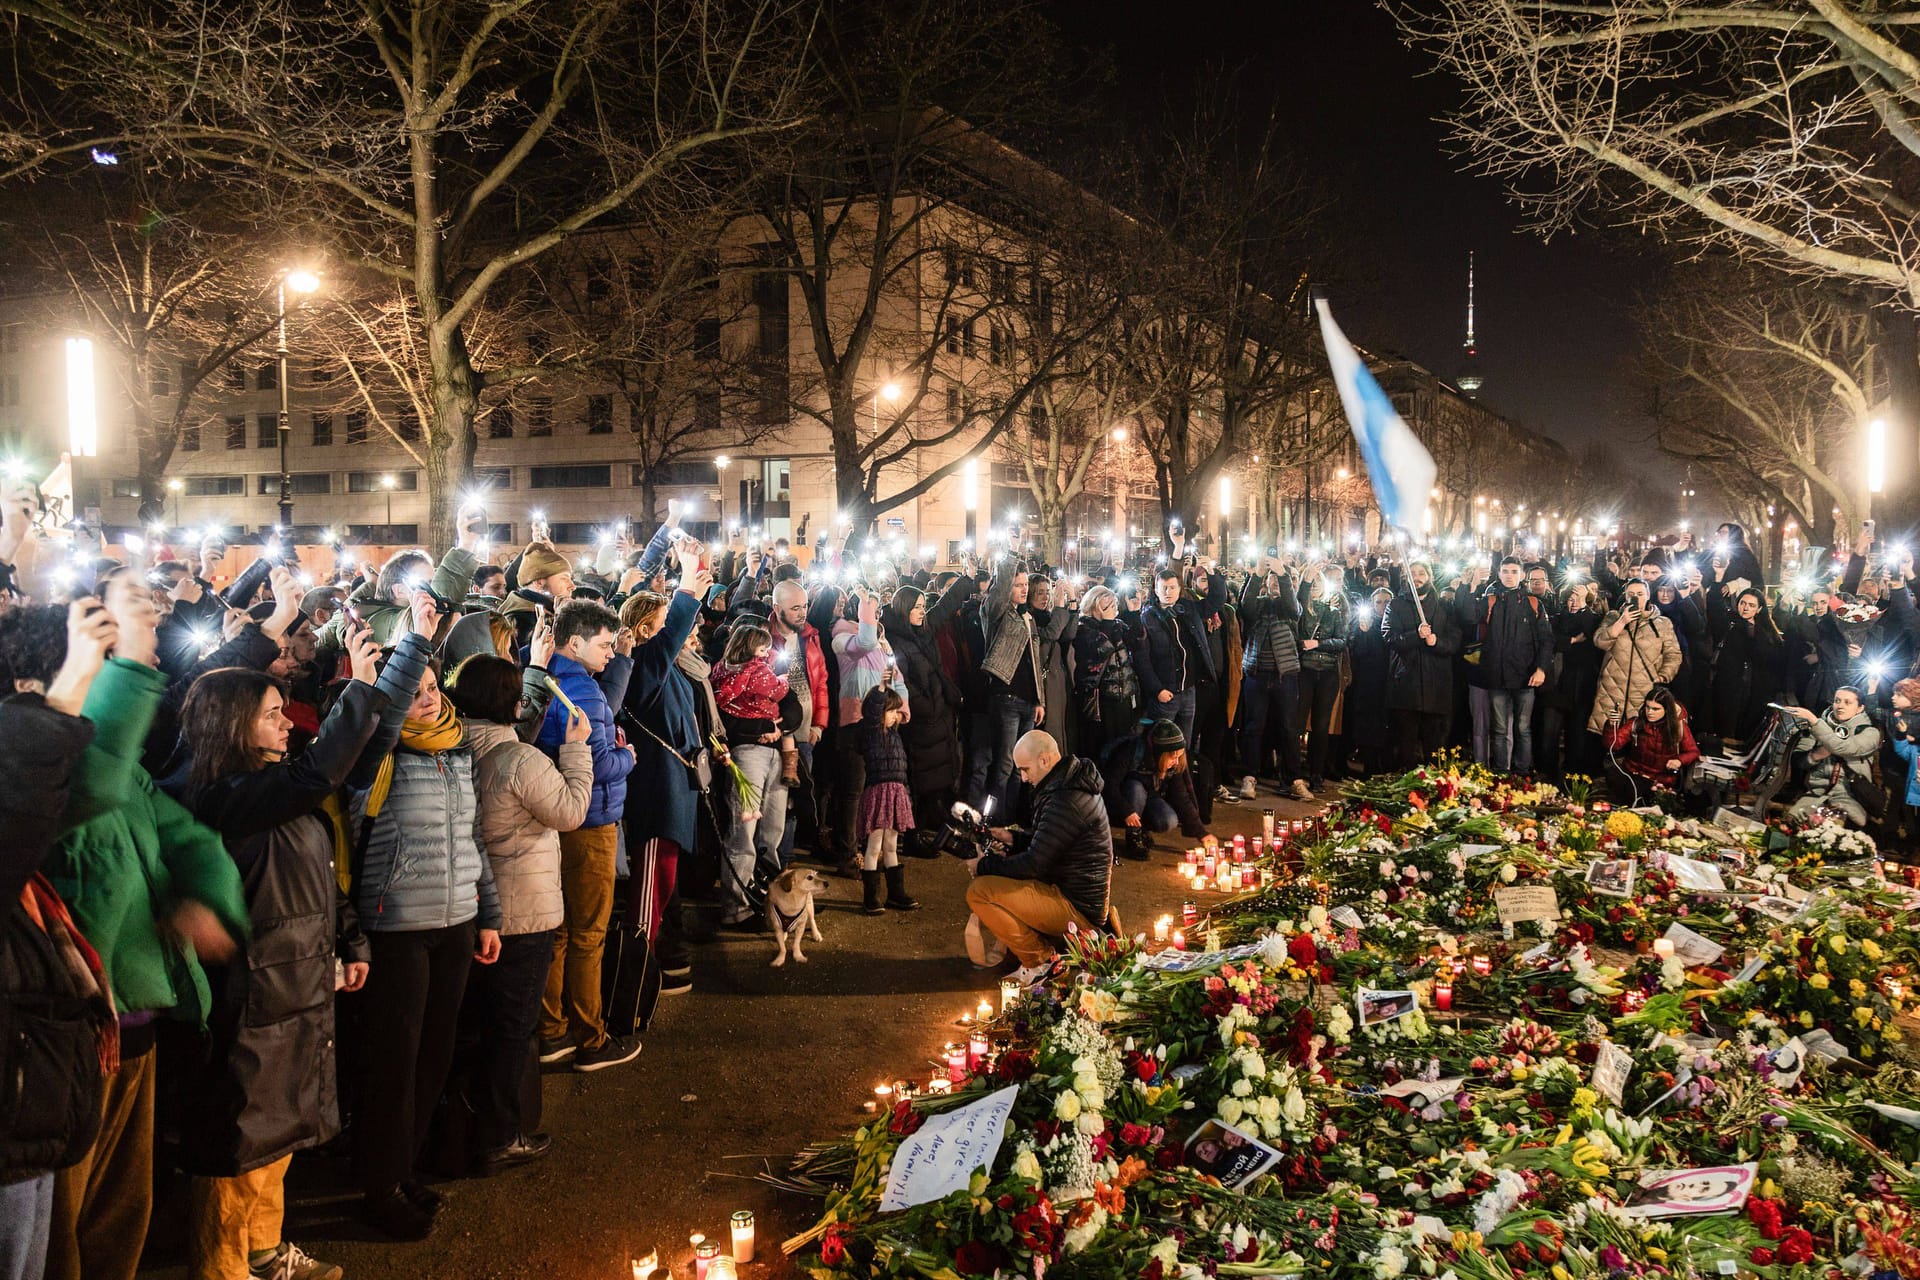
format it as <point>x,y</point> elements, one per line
<point>539,561</point>
<point>1166,736</point>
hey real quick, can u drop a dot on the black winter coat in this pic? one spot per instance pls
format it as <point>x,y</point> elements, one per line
<point>1173,653</point>
<point>266,1088</point>
<point>1365,715</point>
<point>1746,674</point>
<point>1106,689</point>
<point>1514,633</point>
<point>1269,637</point>
<point>49,1030</point>
<point>1421,674</point>
<point>1070,845</point>
<point>884,752</point>
<point>932,736</point>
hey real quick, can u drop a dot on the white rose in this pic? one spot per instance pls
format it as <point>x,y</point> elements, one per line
<point>1241,1088</point>
<point>1089,1123</point>
<point>1507,873</point>
<point>1269,1107</point>
<point>1391,1262</point>
<point>1027,1165</point>
<point>1271,1129</point>
<point>1231,1109</point>
<point>1294,1106</point>
<point>1067,1106</point>
<point>1316,917</point>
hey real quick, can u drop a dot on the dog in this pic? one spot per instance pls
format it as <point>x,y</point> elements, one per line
<point>790,910</point>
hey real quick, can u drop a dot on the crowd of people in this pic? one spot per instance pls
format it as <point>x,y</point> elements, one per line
<point>297,859</point>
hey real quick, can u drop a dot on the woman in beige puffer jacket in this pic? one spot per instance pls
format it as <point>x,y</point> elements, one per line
<point>1642,652</point>
<point>526,799</point>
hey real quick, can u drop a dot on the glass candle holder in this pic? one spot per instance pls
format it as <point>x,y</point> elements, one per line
<point>705,1253</point>
<point>741,1227</point>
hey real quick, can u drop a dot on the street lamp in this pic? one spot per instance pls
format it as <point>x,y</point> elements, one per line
<point>386,482</point>
<point>720,465</point>
<point>174,486</point>
<point>300,281</point>
<point>1876,456</point>
<point>890,392</point>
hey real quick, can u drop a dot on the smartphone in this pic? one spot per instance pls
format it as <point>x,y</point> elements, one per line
<point>565,701</point>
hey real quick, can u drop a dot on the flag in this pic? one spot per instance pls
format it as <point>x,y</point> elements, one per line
<point>1399,466</point>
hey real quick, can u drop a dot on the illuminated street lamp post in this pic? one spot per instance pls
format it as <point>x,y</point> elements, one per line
<point>387,482</point>
<point>301,282</point>
<point>174,486</point>
<point>720,465</point>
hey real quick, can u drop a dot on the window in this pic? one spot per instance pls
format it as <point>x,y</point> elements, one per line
<point>1000,281</point>
<point>576,533</point>
<point>770,300</point>
<point>236,377</point>
<point>706,339</point>
<point>160,380</point>
<point>305,483</point>
<point>706,409</point>
<point>599,415</point>
<point>969,341</point>
<point>322,430</point>
<point>953,335</point>
<point>369,481</point>
<point>999,344</point>
<point>493,478</point>
<point>950,264</point>
<point>237,432</point>
<point>692,472</point>
<point>586,476</point>
<point>320,373</point>
<point>955,413</point>
<point>539,416</point>
<point>216,486</point>
<point>388,535</point>
<point>500,422</point>
<point>126,486</point>
<point>268,427</point>
<point>268,377</point>
<point>408,423</point>
<point>357,427</point>
<point>190,438</point>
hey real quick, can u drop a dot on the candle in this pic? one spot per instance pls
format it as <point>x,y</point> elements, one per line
<point>1209,864</point>
<point>1483,965</point>
<point>1266,823</point>
<point>1442,995</point>
<point>705,1251</point>
<point>983,1010</point>
<point>1663,947</point>
<point>1179,940</point>
<point>976,1050</point>
<point>966,1019</point>
<point>1246,877</point>
<point>644,1267</point>
<point>1162,927</point>
<point>1894,989</point>
<point>722,1268</point>
<point>742,1223</point>
<point>882,1097</point>
<point>956,1057</point>
<point>939,1085</point>
<point>1187,913</point>
<point>903,1089</point>
<point>1193,855</point>
<point>1009,993</point>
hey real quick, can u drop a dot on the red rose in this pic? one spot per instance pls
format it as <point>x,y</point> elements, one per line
<point>1796,1246</point>
<point>833,1245</point>
<point>1761,1256</point>
<point>1302,951</point>
<point>1153,1271</point>
<point>905,1119</point>
<point>978,1258</point>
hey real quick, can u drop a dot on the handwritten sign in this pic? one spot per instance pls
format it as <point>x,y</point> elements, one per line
<point>1610,1070</point>
<point>1526,902</point>
<point>1689,948</point>
<point>939,1159</point>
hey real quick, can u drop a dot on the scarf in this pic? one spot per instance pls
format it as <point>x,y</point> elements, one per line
<point>700,671</point>
<point>48,913</point>
<point>429,737</point>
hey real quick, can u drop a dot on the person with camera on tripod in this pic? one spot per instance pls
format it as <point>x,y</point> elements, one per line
<point>1641,653</point>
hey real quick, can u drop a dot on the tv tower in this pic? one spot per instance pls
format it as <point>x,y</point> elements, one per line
<point>1469,379</point>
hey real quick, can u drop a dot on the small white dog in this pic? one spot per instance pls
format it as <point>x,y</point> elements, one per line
<point>790,910</point>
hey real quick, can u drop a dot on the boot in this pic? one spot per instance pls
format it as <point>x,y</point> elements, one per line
<point>1137,845</point>
<point>897,899</point>
<point>871,881</point>
<point>790,766</point>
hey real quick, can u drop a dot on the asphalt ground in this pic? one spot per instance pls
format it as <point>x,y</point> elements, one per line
<point>736,1076</point>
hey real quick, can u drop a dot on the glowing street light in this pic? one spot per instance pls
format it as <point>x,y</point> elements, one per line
<point>300,281</point>
<point>83,421</point>
<point>387,482</point>
<point>1877,456</point>
<point>720,465</point>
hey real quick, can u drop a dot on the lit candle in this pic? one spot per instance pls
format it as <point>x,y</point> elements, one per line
<point>1162,927</point>
<point>722,1268</point>
<point>1193,855</point>
<point>956,1063</point>
<point>742,1223</point>
<point>644,1267</point>
<point>1246,877</point>
<point>983,1010</point>
<point>939,1085</point>
<point>1266,823</point>
<point>1483,965</point>
<point>1009,992</point>
<point>1179,940</point>
<point>705,1252</point>
<point>882,1096</point>
<point>966,1019</point>
<point>1663,947</point>
<point>1209,863</point>
<point>976,1050</point>
<point>1187,913</point>
<point>1442,995</point>
<point>904,1089</point>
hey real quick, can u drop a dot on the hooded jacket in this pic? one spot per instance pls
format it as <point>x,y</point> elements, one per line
<point>526,801</point>
<point>932,734</point>
<point>1514,633</point>
<point>1420,675</point>
<point>1070,844</point>
<point>1643,655</point>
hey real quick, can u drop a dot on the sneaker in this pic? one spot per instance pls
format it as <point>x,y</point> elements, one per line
<point>1301,790</point>
<point>675,984</point>
<point>1247,791</point>
<point>1225,795</point>
<point>674,960</point>
<point>1032,975</point>
<point>556,1049</point>
<point>291,1262</point>
<point>610,1052</point>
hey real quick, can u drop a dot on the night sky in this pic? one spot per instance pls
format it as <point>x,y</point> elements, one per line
<point>1555,340</point>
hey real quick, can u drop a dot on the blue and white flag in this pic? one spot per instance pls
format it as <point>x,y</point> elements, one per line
<point>1399,466</point>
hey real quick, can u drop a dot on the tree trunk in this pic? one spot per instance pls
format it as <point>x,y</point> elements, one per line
<point>450,441</point>
<point>1899,505</point>
<point>1053,531</point>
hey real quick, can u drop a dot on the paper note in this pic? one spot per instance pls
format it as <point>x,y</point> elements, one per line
<point>1610,1071</point>
<point>1526,902</point>
<point>939,1159</point>
<point>1346,918</point>
<point>1690,948</point>
<point>1702,877</point>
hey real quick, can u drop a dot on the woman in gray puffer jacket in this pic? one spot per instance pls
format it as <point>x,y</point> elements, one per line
<point>424,891</point>
<point>526,801</point>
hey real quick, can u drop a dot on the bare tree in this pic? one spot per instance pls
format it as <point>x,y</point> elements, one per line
<point>1786,134</point>
<point>443,145</point>
<point>1770,381</point>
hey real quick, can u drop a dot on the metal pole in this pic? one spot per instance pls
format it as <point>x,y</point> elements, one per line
<point>286,423</point>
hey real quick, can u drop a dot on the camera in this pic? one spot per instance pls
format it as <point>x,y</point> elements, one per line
<point>965,833</point>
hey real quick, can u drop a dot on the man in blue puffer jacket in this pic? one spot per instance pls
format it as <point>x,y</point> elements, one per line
<point>593,676</point>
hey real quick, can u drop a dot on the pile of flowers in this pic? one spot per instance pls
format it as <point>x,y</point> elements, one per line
<point>1699,1060</point>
